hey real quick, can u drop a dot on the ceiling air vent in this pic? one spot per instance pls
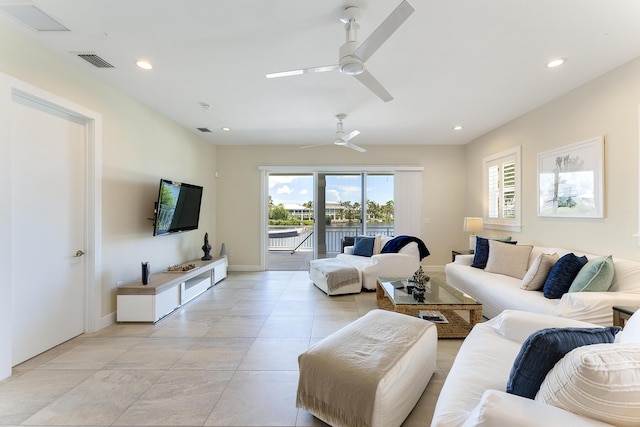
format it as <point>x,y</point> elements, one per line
<point>204,129</point>
<point>95,60</point>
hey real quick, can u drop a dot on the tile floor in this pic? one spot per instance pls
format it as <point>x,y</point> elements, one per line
<point>228,358</point>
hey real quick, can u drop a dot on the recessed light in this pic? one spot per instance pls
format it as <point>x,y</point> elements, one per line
<point>145,65</point>
<point>556,62</point>
<point>458,127</point>
<point>226,129</point>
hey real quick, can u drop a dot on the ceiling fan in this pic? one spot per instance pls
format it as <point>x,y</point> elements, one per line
<point>353,55</point>
<point>342,137</point>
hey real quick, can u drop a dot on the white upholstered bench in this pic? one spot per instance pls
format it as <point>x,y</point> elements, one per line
<point>369,373</point>
<point>334,277</point>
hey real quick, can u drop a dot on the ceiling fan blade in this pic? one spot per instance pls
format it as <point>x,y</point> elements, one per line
<point>315,145</point>
<point>300,71</point>
<point>355,147</point>
<point>367,79</point>
<point>351,135</point>
<point>384,31</point>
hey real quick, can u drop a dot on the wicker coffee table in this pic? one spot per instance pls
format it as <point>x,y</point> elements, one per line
<point>392,295</point>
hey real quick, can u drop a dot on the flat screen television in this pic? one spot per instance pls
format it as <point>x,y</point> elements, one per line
<point>178,207</point>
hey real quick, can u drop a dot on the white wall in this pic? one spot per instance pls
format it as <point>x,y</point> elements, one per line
<point>139,146</point>
<point>607,106</point>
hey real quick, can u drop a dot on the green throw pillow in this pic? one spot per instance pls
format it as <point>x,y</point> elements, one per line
<point>595,276</point>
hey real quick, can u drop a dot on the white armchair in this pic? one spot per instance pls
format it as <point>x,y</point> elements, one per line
<point>401,264</point>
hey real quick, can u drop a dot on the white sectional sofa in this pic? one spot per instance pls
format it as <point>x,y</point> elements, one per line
<point>401,264</point>
<point>601,387</point>
<point>498,292</point>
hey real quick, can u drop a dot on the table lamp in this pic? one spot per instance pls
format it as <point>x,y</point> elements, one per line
<point>473,224</point>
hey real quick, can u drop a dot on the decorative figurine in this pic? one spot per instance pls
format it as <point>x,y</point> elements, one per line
<point>206,248</point>
<point>420,280</point>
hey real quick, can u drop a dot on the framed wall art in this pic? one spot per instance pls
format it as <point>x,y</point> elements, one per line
<point>570,180</point>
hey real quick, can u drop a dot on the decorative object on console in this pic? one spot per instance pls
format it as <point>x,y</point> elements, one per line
<point>474,225</point>
<point>206,248</point>
<point>181,268</point>
<point>146,272</point>
<point>223,250</point>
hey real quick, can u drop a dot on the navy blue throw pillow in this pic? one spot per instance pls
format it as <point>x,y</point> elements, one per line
<point>363,246</point>
<point>481,254</point>
<point>562,274</point>
<point>544,348</point>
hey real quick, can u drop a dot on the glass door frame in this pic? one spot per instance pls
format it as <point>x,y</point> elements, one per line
<point>315,170</point>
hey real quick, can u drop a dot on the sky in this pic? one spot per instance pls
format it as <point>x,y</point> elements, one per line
<point>288,189</point>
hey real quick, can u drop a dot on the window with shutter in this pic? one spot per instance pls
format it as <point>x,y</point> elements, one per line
<point>502,190</point>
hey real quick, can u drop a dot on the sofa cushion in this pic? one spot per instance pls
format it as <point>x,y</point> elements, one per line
<point>595,276</point>
<point>363,246</point>
<point>510,260</point>
<point>481,254</point>
<point>542,350</point>
<point>562,274</point>
<point>597,381</point>
<point>537,274</point>
<point>631,332</point>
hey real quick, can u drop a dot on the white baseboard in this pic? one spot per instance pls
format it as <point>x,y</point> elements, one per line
<point>433,268</point>
<point>244,268</point>
<point>107,320</point>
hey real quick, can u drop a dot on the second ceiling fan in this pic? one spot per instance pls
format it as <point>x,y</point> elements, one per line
<point>342,137</point>
<point>353,55</point>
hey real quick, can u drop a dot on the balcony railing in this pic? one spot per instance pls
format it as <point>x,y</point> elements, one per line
<point>333,237</point>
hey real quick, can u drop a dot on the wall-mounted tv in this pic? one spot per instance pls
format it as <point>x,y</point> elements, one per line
<point>178,207</point>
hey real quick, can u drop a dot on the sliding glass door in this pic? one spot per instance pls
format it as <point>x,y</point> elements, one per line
<point>310,212</point>
<point>290,221</point>
<point>352,204</point>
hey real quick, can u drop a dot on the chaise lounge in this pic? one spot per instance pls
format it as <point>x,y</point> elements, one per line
<point>369,258</point>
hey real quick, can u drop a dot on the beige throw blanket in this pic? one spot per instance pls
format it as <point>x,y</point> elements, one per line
<point>337,273</point>
<point>339,375</point>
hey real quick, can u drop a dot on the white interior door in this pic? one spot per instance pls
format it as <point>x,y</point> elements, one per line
<point>48,223</point>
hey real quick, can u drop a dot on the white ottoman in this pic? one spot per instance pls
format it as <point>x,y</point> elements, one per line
<point>369,373</point>
<point>335,277</point>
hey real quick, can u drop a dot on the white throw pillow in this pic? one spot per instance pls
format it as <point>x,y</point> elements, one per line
<point>599,381</point>
<point>510,260</point>
<point>377,244</point>
<point>538,272</point>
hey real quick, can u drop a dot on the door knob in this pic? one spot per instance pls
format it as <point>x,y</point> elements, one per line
<point>79,253</point>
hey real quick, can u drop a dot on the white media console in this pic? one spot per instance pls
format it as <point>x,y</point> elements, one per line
<point>167,291</point>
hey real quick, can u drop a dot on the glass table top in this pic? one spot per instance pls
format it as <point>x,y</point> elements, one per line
<point>437,292</point>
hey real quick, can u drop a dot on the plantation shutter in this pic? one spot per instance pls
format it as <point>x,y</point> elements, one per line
<point>502,188</point>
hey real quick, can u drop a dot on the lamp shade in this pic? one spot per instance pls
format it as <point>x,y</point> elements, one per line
<point>473,224</point>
